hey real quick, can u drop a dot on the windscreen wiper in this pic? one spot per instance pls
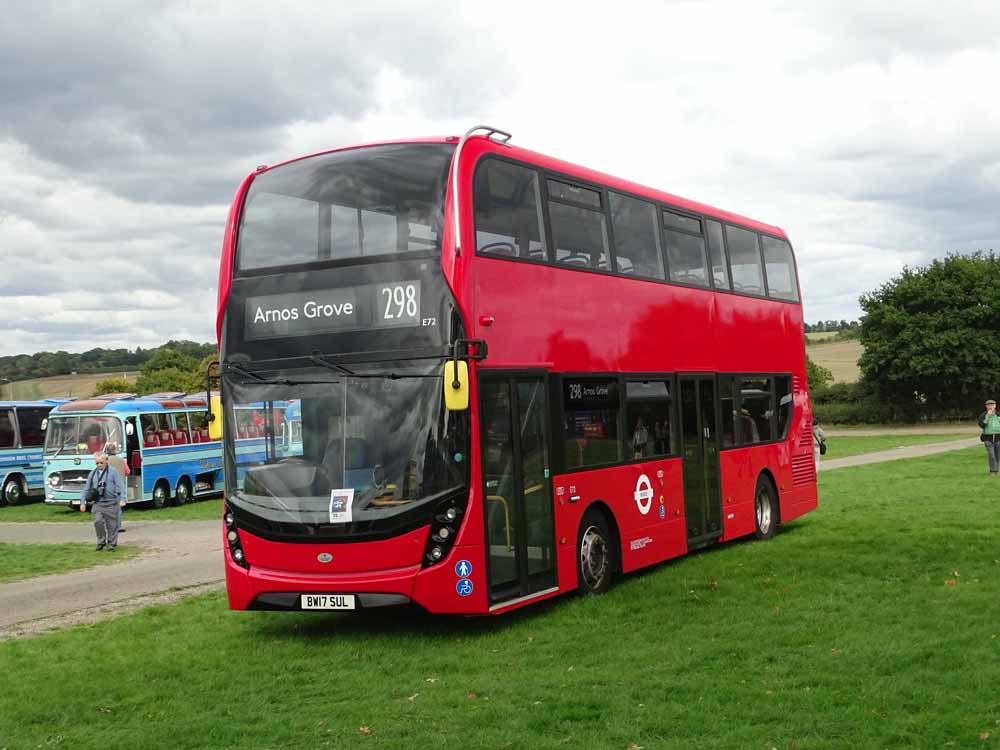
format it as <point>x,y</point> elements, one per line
<point>317,359</point>
<point>243,371</point>
<point>275,381</point>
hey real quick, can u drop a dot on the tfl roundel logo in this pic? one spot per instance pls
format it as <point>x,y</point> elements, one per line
<point>643,494</point>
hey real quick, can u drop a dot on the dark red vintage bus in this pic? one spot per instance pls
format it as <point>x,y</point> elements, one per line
<point>517,377</point>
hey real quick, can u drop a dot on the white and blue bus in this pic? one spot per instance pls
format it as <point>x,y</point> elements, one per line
<point>163,438</point>
<point>22,434</point>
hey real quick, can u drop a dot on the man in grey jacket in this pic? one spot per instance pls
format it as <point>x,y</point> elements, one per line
<point>110,496</point>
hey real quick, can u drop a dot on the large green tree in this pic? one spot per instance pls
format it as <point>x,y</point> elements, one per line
<point>931,335</point>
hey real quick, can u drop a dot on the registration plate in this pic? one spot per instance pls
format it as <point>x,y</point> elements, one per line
<point>328,601</point>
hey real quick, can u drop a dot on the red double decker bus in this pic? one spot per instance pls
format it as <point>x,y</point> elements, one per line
<point>516,377</point>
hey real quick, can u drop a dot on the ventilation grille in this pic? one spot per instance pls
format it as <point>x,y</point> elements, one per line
<point>796,384</point>
<point>806,438</point>
<point>803,470</point>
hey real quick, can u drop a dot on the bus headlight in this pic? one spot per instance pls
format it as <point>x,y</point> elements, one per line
<point>233,538</point>
<point>444,529</point>
<point>54,480</point>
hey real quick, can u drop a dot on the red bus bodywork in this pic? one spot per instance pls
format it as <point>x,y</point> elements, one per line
<point>549,318</point>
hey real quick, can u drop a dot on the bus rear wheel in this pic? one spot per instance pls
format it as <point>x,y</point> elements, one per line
<point>183,493</point>
<point>13,491</point>
<point>765,505</point>
<point>161,495</point>
<point>594,554</point>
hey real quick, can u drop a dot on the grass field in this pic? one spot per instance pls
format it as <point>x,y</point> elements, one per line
<point>195,510</point>
<point>850,445</point>
<point>19,561</point>
<point>840,357</point>
<point>870,623</point>
<point>69,386</point>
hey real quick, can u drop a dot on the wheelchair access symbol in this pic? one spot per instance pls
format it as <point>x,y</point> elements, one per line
<point>463,569</point>
<point>463,587</point>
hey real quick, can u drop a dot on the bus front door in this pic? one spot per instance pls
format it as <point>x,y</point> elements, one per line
<point>700,453</point>
<point>518,510</point>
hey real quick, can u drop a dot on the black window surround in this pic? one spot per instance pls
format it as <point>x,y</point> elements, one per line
<point>545,175</point>
<point>559,412</point>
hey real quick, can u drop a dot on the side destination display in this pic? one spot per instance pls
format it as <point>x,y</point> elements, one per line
<point>388,305</point>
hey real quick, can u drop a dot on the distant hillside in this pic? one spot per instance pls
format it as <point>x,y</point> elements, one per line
<point>69,386</point>
<point>840,357</point>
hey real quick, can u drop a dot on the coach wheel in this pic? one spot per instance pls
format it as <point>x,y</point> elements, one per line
<point>183,493</point>
<point>161,495</point>
<point>13,491</point>
<point>594,554</point>
<point>765,508</point>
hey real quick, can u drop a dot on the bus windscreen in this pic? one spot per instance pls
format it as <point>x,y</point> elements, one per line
<point>374,201</point>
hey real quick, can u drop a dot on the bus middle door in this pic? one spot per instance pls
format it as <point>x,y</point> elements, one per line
<point>700,452</point>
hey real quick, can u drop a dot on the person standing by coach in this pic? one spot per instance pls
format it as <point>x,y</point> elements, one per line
<point>118,463</point>
<point>989,421</point>
<point>106,493</point>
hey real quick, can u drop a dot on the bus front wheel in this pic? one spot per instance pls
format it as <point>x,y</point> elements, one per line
<point>183,493</point>
<point>593,554</point>
<point>161,495</point>
<point>13,491</point>
<point>765,505</point>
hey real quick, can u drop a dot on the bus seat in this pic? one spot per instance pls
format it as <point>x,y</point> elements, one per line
<point>204,434</point>
<point>150,439</point>
<point>195,436</point>
<point>166,438</point>
<point>180,437</point>
<point>356,453</point>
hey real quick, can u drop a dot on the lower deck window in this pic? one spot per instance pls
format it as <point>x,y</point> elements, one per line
<point>591,430</point>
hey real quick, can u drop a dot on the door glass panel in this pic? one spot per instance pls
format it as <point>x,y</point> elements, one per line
<point>498,475</point>
<point>693,472</point>
<point>713,508</point>
<point>539,535</point>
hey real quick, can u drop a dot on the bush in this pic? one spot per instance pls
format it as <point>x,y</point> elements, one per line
<point>113,385</point>
<point>868,411</point>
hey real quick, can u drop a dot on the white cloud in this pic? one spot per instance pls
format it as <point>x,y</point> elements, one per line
<point>871,136</point>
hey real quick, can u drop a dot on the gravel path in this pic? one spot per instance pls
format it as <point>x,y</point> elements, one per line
<point>182,557</point>
<point>909,451</point>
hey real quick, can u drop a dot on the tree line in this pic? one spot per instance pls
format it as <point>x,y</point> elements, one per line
<point>47,364</point>
<point>931,339</point>
<point>825,326</point>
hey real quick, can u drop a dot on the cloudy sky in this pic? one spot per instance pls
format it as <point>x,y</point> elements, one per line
<point>871,135</point>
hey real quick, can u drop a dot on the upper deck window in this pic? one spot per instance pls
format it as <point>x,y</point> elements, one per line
<point>637,239</point>
<point>579,227</point>
<point>508,208</point>
<point>744,258</point>
<point>375,201</point>
<point>780,269</point>
<point>717,251</point>
<point>685,249</point>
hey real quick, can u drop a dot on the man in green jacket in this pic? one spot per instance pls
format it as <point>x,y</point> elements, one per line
<point>989,420</point>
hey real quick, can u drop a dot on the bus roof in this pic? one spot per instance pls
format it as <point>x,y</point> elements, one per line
<point>508,149</point>
<point>40,402</point>
<point>129,404</point>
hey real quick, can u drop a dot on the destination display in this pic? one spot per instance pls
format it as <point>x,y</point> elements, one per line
<point>393,304</point>
<point>590,393</point>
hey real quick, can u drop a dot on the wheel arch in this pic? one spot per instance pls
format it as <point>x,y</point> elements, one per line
<point>604,509</point>
<point>766,473</point>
